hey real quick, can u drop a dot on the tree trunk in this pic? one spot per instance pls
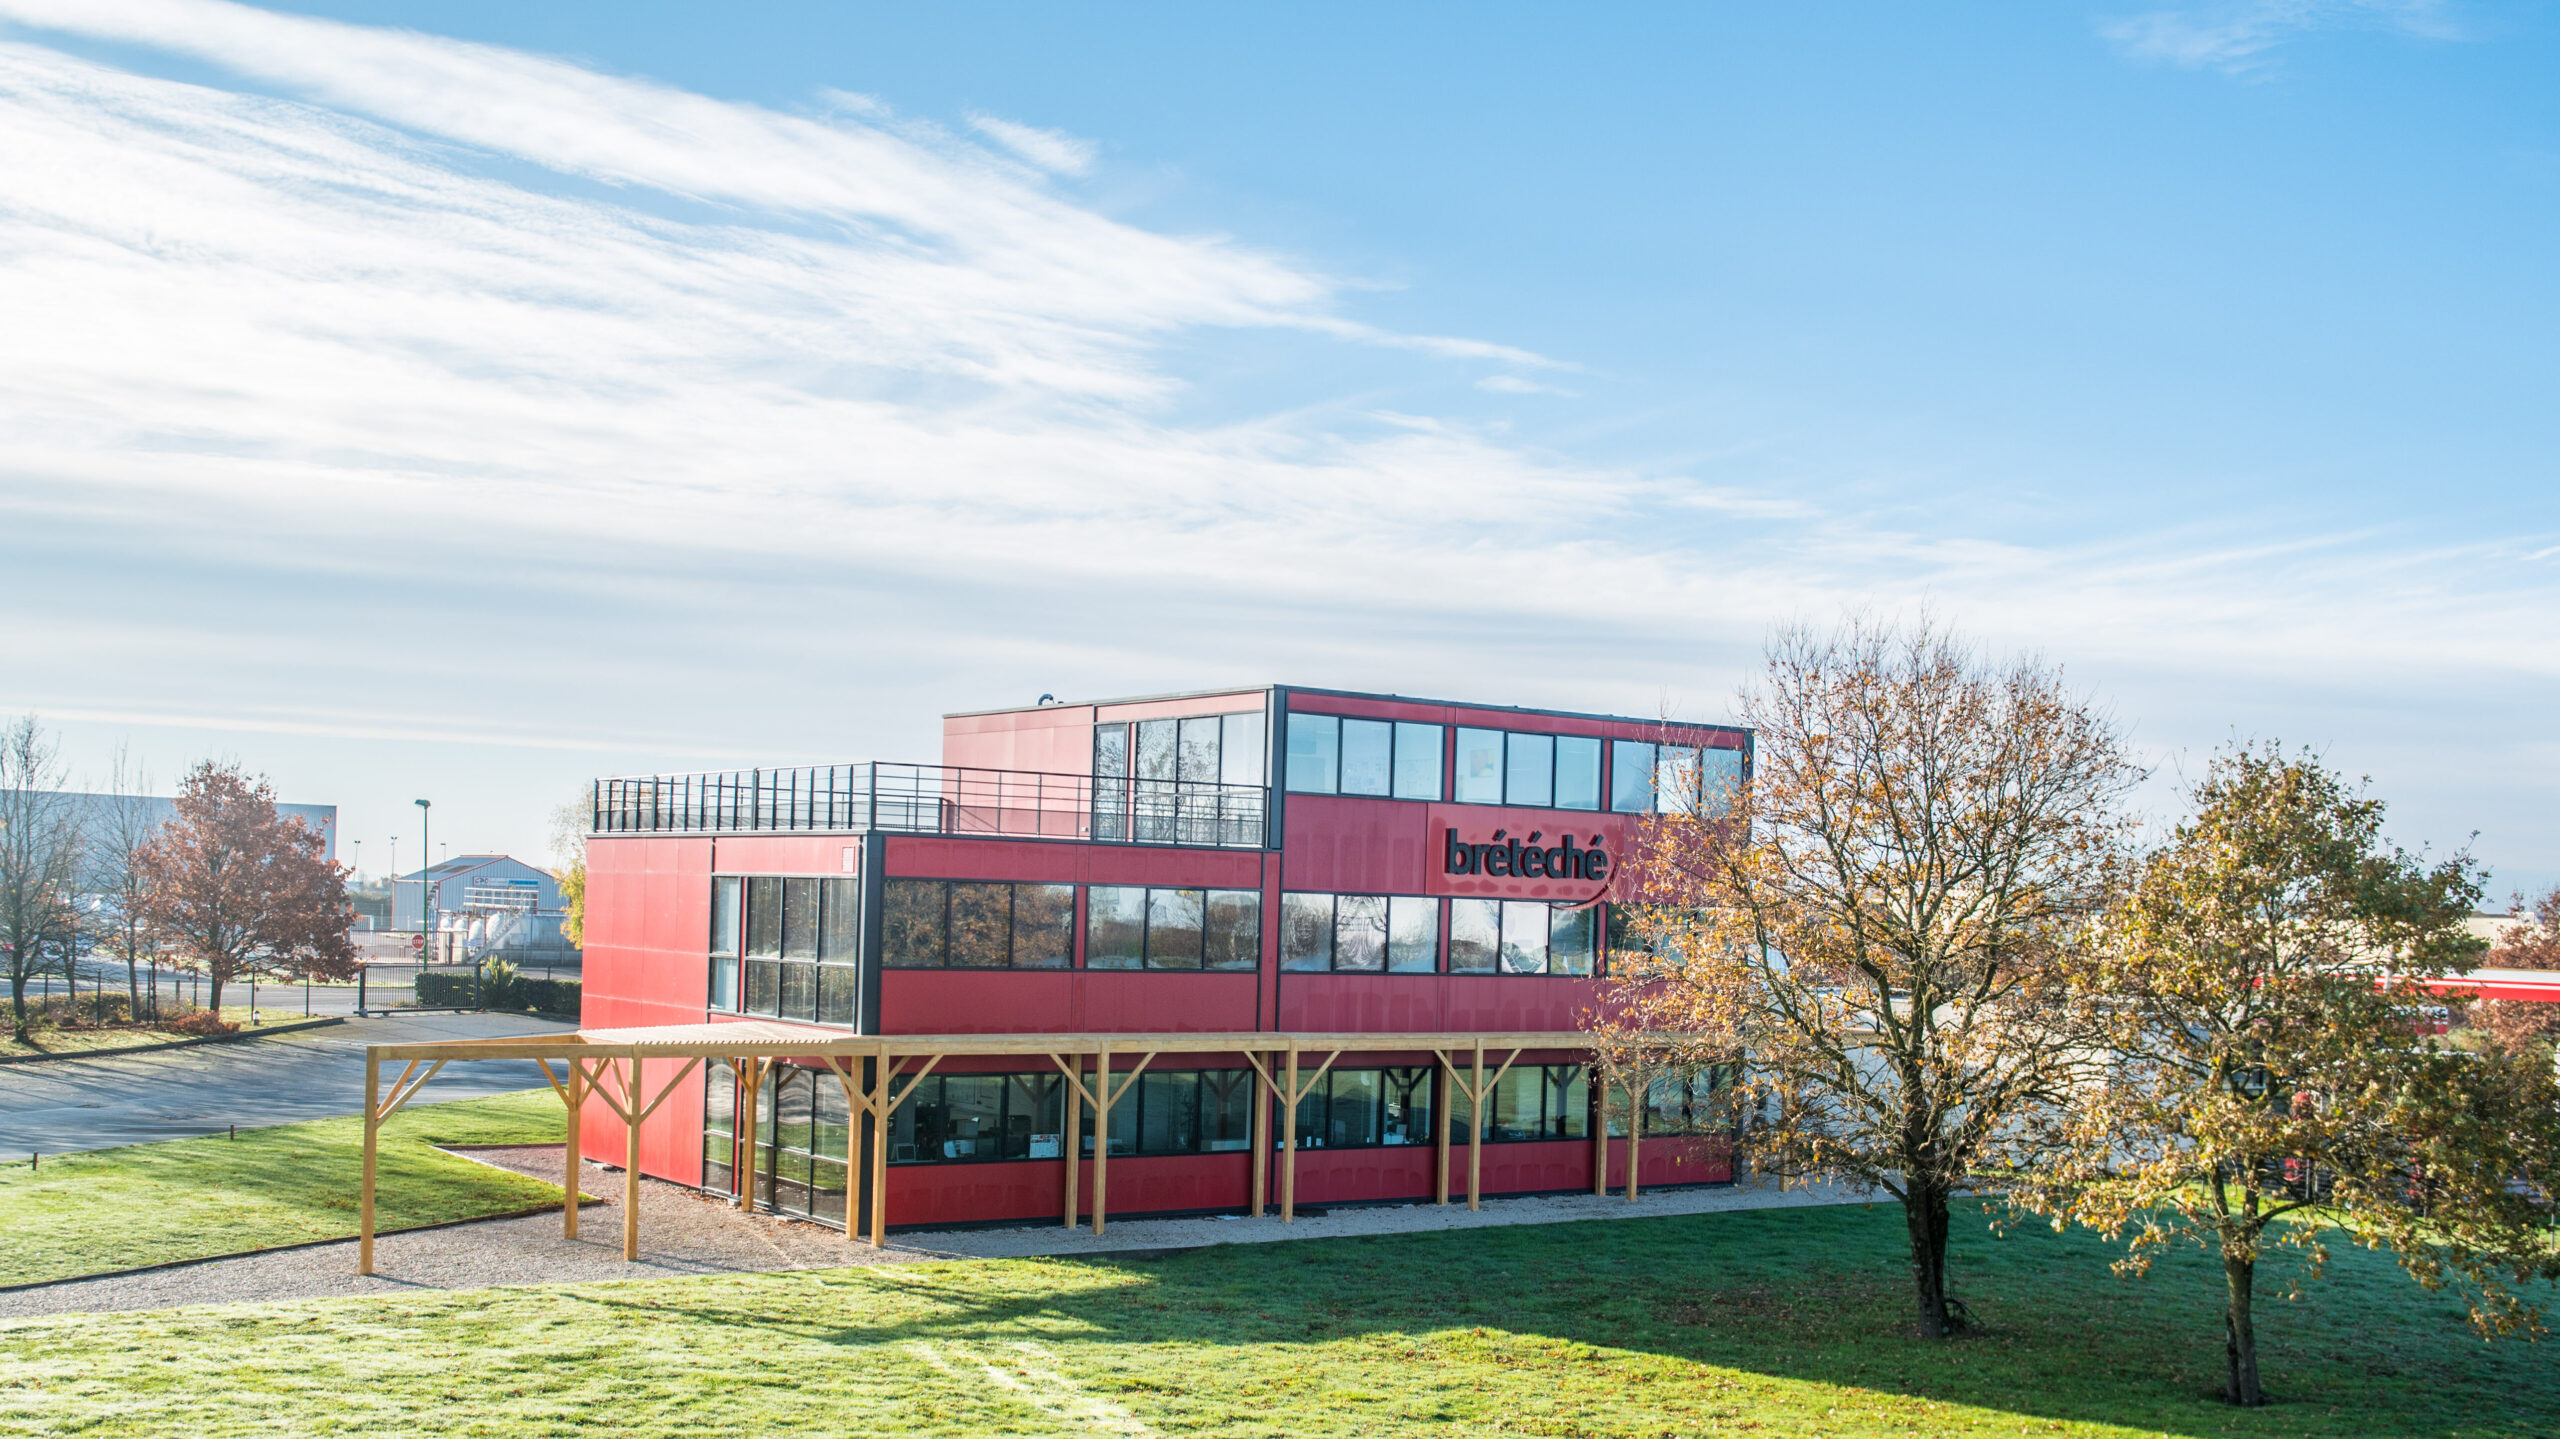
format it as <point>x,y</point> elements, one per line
<point>1924,1213</point>
<point>18,1003</point>
<point>213,983</point>
<point>2240,1336</point>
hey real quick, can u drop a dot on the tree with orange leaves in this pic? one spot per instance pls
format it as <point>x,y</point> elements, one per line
<point>237,888</point>
<point>1879,922</point>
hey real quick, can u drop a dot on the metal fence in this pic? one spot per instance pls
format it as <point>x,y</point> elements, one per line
<point>934,799</point>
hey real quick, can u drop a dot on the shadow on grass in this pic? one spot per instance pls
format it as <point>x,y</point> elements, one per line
<point>1814,1295</point>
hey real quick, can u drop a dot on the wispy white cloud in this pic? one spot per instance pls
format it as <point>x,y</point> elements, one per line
<point>1052,150</point>
<point>1519,385</point>
<point>2239,36</point>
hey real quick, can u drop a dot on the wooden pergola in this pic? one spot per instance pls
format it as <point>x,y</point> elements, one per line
<point>607,1065</point>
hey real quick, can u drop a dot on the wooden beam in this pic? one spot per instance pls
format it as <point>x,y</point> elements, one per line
<point>1637,1088</point>
<point>1441,1114</point>
<point>632,1115</point>
<point>1599,1133</point>
<point>372,1133</point>
<point>1475,1133</point>
<point>573,1152</point>
<point>884,1072</point>
<point>742,1135</point>
<point>1072,1105</point>
<point>1101,1131</point>
<point>1260,1179</point>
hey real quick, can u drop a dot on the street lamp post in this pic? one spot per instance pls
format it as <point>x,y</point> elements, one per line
<point>426,886</point>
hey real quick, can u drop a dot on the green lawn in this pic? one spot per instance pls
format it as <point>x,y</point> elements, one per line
<point>49,1039</point>
<point>188,1198</point>
<point>1770,1323</point>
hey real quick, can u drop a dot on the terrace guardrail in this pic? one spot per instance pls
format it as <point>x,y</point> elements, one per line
<point>934,799</point>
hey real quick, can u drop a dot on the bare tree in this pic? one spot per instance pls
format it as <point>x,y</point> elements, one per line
<point>1879,921</point>
<point>118,833</point>
<point>40,857</point>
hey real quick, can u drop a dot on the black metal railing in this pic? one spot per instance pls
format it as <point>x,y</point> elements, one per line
<point>934,799</point>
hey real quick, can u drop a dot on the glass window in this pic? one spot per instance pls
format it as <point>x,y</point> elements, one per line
<point>1034,1118</point>
<point>1234,929</point>
<point>1306,931</point>
<point>1240,749</point>
<point>1679,1103</point>
<point>1159,748</point>
<point>1631,776</point>
<point>1577,772</point>
<point>972,1116</point>
<point>724,982</point>
<point>1360,933</point>
<point>724,914</point>
<point>764,917</point>
<point>1479,775</point>
<point>911,923</point>
<point>1367,756</point>
<point>981,925</point>
<point>1518,1107</point>
<point>1315,752</point>
<point>1353,1122</point>
<point>1111,751</point>
<point>1408,1105</point>
<point>1524,936</point>
<point>1169,1113</point>
<point>1044,925</point>
<point>836,993</point>
<point>1173,928</point>
<point>1529,773</point>
<point>1115,927</point>
<point>1110,781</point>
<point>1568,1102</point>
<point>842,936</point>
<point>1570,935</point>
<point>764,986</point>
<point>1720,778</point>
<point>1413,934</point>
<point>1418,760</point>
<point>1155,810</point>
<point>799,989</point>
<point>799,919</point>
<point>1675,779</point>
<point>1198,762</point>
<point>1124,1121</point>
<point>1226,1109</point>
<point>1475,935</point>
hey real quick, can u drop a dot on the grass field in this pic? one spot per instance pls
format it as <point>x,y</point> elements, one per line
<point>1770,1323</point>
<point>187,1198</point>
<point>50,1039</point>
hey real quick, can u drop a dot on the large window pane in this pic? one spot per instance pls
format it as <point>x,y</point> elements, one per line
<point>1367,756</point>
<point>1124,1121</point>
<point>1475,935</point>
<point>1577,773</point>
<point>1234,929</point>
<point>837,986</point>
<point>1529,771</point>
<point>1631,776</point>
<point>764,917</point>
<point>1354,1119</point>
<point>841,936</point>
<point>1312,1110</point>
<point>1169,1112</point>
<point>1306,931</point>
<point>793,1090</point>
<point>1568,1102</point>
<point>1111,751</point>
<point>1315,753</point>
<point>1159,753</point>
<point>724,983</point>
<point>1159,749</point>
<point>1226,1109</point>
<point>1418,760</point>
<point>799,989</point>
<point>799,919</point>
<point>1720,779</point>
<point>764,987</point>
<point>1408,1105</point>
<point>973,1110</point>
<point>1173,928</point>
<point>1518,1108</point>
<point>1044,925</point>
<point>1115,927</point>
<point>1479,771</point>
<point>1675,779</point>
<point>915,1126</point>
<point>724,914</point>
<point>831,1120</point>
<point>981,925</point>
<point>1034,1116</point>
<point>1524,936</point>
<point>1110,781</point>
<point>1413,934</point>
<point>1569,941</point>
<point>1240,749</point>
<point>719,1096</point>
<point>1360,933</point>
<point>1198,760</point>
<point>911,923</point>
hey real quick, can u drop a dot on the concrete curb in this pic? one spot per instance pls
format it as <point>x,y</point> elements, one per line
<point>260,1032</point>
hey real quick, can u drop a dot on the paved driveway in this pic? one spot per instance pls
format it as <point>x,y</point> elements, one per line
<point>69,1104</point>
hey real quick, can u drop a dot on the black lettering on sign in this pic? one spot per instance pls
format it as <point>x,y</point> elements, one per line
<point>1512,858</point>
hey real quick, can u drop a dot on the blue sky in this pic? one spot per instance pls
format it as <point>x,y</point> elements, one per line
<point>466,399</point>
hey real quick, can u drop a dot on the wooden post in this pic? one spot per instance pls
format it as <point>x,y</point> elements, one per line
<point>372,1133</point>
<point>1599,1133</point>
<point>631,1161</point>
<point>1261,1133</point>
<point>574,1152</point>
<point>745,1134</point>
<point>1072,1101</point>
<point>1636,1089</point>
<point>1289,1142</point>
<point>1475,1132</point>
<point>880,1153</point>
<point>1101,1132</point>
<point>1441,1114</point>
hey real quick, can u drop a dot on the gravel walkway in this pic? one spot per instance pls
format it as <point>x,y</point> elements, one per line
<point>685,1232</point>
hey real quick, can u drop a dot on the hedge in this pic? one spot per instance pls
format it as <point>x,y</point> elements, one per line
<point>503,989</point>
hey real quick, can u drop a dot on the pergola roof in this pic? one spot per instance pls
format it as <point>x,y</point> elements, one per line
<point>781,1039</point>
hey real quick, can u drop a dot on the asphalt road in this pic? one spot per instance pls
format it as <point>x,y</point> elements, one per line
<point>68,1104</point>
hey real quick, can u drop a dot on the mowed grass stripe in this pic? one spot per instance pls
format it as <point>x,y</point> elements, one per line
<point>1781,1322</point>
<point>144,1204</point>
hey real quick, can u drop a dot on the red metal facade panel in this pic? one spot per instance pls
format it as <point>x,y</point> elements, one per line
<point>1048,862</point>
<point>784,854</point>
<point>1342,845</point>
<point>1055,739</point>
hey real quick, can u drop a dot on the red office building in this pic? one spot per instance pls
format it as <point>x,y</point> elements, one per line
<point>1277,864</point>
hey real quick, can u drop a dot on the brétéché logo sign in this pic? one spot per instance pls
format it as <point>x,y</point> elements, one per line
<point>1513,858</point>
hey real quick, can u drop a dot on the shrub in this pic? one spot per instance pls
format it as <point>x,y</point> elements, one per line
<point>201,1021</point>
<point>502,987</point>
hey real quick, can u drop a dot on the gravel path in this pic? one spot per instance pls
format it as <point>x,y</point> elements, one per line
<point>685,1232</point>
